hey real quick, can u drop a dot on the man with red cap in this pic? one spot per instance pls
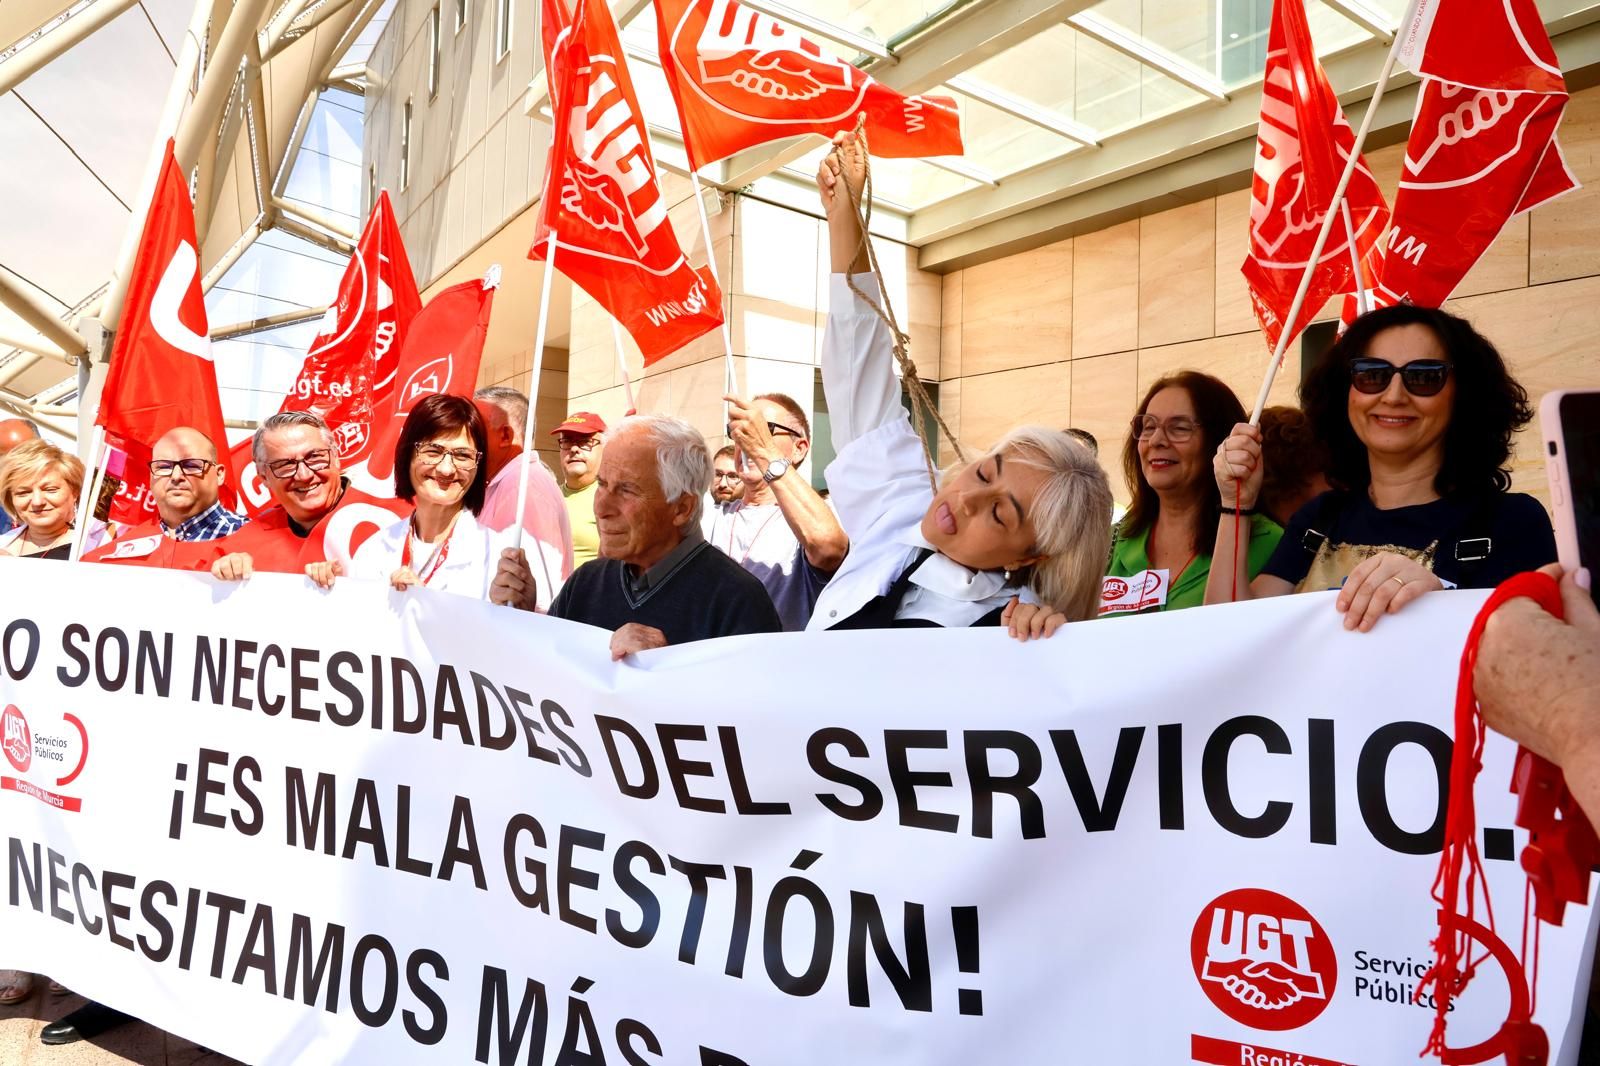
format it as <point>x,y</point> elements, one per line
<point>581,439</point>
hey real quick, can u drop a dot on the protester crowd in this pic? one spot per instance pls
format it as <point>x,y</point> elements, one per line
<point>1390,482</point>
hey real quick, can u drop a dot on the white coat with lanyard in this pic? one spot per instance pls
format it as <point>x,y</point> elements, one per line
<point>878,482</point>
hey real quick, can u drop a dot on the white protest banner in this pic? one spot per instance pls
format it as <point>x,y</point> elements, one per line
<point>381,827</point>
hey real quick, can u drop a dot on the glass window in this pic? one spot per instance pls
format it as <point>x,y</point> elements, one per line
<point>433,52</point>
<point>405,146</point>
<point>502,29</point>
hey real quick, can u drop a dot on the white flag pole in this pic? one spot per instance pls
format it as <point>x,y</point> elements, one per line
<point>730,384</point>
<point>1363,298</point>
<point>622,366</point>
<point>527,458</point>
<point>1328,219</point>
<point>86,502</point>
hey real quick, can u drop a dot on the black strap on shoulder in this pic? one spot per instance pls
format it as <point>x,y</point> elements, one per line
<point>1333,505</point>
<point>1473,546</point>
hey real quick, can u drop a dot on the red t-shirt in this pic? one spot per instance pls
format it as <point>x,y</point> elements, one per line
<point>274,545</point>
<point>271,541</point>
<point>148,545</point>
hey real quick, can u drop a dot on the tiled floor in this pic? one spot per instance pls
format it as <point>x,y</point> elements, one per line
<point>136,1043</point>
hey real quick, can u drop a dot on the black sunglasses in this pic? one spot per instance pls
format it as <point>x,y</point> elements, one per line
<point>1421,377</point>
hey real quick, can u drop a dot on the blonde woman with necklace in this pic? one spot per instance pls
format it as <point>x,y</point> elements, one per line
<point>39,488</point>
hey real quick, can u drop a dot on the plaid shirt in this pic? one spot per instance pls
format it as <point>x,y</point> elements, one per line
<point>210,524</point>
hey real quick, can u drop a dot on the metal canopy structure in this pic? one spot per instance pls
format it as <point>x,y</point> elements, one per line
<point>90,92</point>
<point>1076,114</point>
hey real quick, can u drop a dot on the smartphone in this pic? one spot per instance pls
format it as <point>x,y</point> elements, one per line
<point>1570,423</point>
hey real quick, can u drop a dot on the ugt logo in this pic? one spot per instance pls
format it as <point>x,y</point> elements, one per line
<point>1263,960</point>
<point>15,739</point>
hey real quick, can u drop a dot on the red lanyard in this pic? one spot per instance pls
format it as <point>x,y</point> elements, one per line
<point>733,521</point>
<point>435,561</point>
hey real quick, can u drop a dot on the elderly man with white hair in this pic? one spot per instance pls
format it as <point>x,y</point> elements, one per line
<point>657,582</point>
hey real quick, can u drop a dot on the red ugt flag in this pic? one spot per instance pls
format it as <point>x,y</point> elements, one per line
<point>600,193</point>
<point>349,374</point>
<point>1483,143</point>
<point>161,375</point>
<point>742,78</point>
<point>1301,149</point>
<point>441,354</point>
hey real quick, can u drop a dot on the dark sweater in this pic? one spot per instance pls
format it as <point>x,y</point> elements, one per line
<point>707,595</point>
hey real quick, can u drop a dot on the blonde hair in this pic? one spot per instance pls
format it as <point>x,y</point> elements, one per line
<point>1071,518</point>
<point>31,460</point>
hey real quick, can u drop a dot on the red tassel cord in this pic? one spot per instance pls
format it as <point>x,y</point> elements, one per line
<point>1561,850</point>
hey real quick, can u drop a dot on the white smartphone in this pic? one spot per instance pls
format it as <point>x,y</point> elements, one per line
<point>1570,423</point>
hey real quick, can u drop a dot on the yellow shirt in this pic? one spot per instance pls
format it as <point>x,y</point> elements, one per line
<point>585,534</point>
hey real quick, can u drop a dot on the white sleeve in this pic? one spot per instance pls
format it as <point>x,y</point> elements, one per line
<point>858,362</point>
<point>373,560</point>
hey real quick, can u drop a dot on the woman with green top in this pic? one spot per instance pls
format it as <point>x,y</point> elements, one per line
<point>1161,556</point>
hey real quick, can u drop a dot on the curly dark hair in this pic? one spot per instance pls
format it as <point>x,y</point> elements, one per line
<point>1477,448</point>
<point>1294,456</point>
<point>1217,410</point>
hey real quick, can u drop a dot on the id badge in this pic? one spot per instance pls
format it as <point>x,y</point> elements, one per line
<point>1139,592</point>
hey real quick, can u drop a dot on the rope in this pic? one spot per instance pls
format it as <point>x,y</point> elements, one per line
<point>921,403</point>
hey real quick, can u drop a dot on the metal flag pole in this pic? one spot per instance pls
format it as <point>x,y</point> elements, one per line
<point>730,384</point>
<point>1328,218</point>
<point>622,366</point>
<point>98,454</point>
<point>528,424</point>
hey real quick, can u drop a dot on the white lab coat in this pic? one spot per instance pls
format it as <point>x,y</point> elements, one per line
<point>468,570</point>
<point>878,482</point>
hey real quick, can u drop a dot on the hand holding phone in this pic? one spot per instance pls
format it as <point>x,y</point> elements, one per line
<point>1570,423</point>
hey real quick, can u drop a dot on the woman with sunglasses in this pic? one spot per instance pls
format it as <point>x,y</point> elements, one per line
<point>1161,554</point>
<point>1418,412</point>
<point>439,469</point>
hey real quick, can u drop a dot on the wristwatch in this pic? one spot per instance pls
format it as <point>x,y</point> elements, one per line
<point>776,469</point>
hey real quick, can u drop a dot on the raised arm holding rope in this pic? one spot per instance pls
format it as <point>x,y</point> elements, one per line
<point>1034,513</point>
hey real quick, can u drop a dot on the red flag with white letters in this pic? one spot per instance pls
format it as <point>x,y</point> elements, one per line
<point>161,375</point>
<point>601,198</point>
<point>742,78</point>
<point>349,373</point>
<point>1302,144</point>
<point>348,377</point>
<point>1483,143</point>
<point>441,354</point>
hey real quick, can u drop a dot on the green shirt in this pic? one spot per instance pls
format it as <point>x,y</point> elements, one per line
<point>580,512</point>
<point>1130,556</point>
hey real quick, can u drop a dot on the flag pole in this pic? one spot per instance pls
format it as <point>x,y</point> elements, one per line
<point>527,458</point>
<point>622,366</point>
<point>1362,300</point>
<point>730,384</point>
<point>97,450</point>
<point>1328,218</point>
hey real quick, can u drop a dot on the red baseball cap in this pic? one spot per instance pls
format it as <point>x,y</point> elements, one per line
<point>585,422</point>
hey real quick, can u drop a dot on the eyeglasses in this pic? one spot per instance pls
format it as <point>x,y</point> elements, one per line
<point>1421,377</point>
<point>314,462</point>
<point>582,444</point>
<point>433,455</point>
<point>1177,429</point>
<point>190,467</point>
<point>725,475</point>
<point>778,429</point>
